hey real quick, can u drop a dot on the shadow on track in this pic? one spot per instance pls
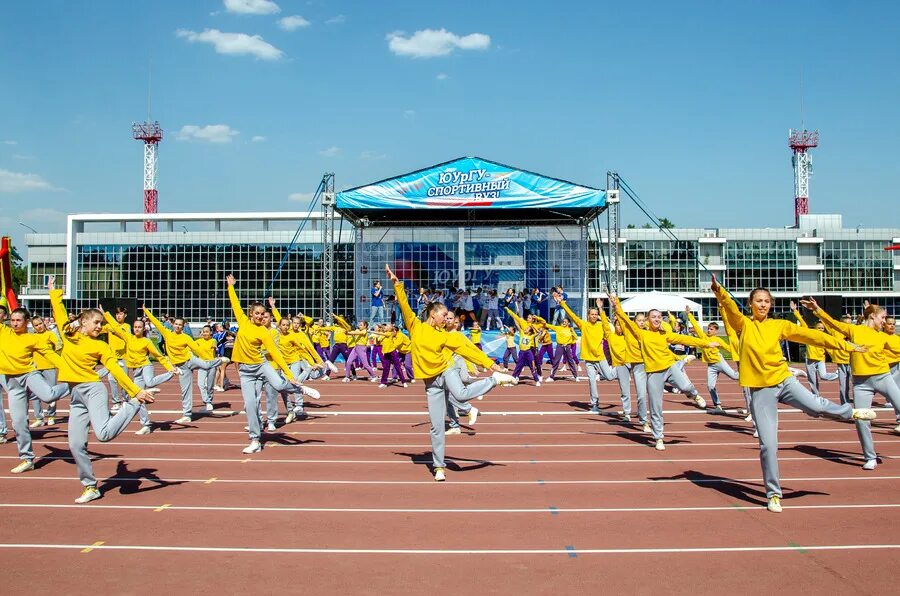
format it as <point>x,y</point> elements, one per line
<point>55,453</point>
<point>129,481</point>
<point>424,458</point>
<point>740,490</point>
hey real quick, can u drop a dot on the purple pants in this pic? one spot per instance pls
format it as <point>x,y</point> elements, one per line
<point>322,352</point>
<point>376,354</point>
<point>392,359</point>
<point>339,350</point>
<point>526,358</point>
<point>563,352</point>
<point>358,358</point>
<point>574,353</point>
<point>510,354</point>
<point>545,349</point>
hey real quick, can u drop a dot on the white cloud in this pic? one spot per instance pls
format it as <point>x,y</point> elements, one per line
<point>211,133</point>
<point>10,142</point>
<point>430,43</point>
<point>292,22</point>
<point>252,7</point>
<point>336,20</point>
<point>301,196</point>
<point>442,76</point>
<point>372,155</point>
<point>330,152</point>
<point>13,182</point>
<point>233,43</point>
<point>258,139</point>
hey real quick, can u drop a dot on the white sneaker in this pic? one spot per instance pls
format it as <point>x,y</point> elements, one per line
<point>660,446</point>
<point>473,415</point>
<point>253,447</point>
<point>453,431</point>
<point>310,392</point>
<point>439,475</point>
<point>897,429</point>
<point>412,380</point>
<point>331,367</point>
<point>870,464</point>
<point>218,388</point>
<point>755,434</point>
<point>90,494</point>
<point>549,380</point>
<point>39,422</point>
<point>774,504</point>
<point>290,417</point>
<point>346,380</point>
<point>537,384</point>
<point>373,379</point>
<point>209,407</point>
<point>25,465</point>
<point>183,420</point>
<point>504,379</point>
<point>270,427</point>
<point>382,385</point>
<point>115,408</point>
<point>480,397</point>
<point>405,385</point>
<point>247,428</point>
<point>864,414</point>
<point>701,403</point>
<point>749,418</point>
<point>646,428</point>
<point>144,430</point>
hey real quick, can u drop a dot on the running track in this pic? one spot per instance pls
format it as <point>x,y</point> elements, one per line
<point>541,497</point>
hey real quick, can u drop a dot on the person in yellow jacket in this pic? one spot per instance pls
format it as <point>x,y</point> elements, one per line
<point>138,349</point>
<point>18,377</point>
<point>712,357</point>
<point>764,371</point>
<point>734,347</point>
<point>81,353</point>
<point>298,351</point>
<point>815,356</point>
<point>185,354</point>
<point>634,362</point>
<point>252,339</point>
<point>618,352</point>
<point>339,336</point>
<point>593,334</point>
<point>117,345</point>
<point>870,369</point>
<point>893,358</point>
<point>432,366</point>
<point>661,364</point>
<point>47,369</point>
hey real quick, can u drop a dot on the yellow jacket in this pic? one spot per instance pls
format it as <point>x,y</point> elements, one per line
<point>41,362</point>
<point>179,346</point>
<point>873,362</point>
<point>655,344</point>
<point>708,355</point>
<point>18,351</point>
<point>592,335</point>
<point>428,344</point>
<point>251,339</point>
<point>618,348</point>
<point>116,343</point>
<point>137,349</point>
<point>813,353</point>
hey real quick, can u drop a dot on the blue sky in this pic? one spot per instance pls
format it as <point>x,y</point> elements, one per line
<point>690,101</point>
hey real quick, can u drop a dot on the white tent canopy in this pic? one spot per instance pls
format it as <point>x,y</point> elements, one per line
<point>659,300</point>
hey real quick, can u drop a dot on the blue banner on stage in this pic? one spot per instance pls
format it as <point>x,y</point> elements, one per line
<point>471,182</point>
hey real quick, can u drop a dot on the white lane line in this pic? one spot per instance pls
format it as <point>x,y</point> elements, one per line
<point>272,443</point>
<point>541,510</point>
<point>430,482</point>
<point>400,551</point>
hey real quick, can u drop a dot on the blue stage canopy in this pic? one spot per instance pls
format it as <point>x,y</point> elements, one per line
<point>467,188</point>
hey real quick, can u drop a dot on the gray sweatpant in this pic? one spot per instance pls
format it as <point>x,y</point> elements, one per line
<point>457,406</point>
<point>845,382</point>
<point>37,405</point>
<point>253,377</point>
<point>301,371</point>
<point>17,388</point>
<point>3,428</point>
<point>764,409</point>
<point>206,381</point>
<point>90,409</point>
<point>640,383</point>
<point>143,378</point>
<point>656,383</point>
<point>815,370</point>
<point>117,393</point>
<point>186,380</point>
<point>864,389</point>
<point>712,376</point>
<point>437,390</point>
<point>599,369</point>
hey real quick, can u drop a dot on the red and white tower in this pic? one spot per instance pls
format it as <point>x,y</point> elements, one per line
<point>151,133</point>
<point>801,141</point>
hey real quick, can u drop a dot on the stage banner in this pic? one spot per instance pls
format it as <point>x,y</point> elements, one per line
<point>471,182</point>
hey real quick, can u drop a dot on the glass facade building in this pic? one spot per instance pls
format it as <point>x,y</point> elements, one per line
<point>181,268</point>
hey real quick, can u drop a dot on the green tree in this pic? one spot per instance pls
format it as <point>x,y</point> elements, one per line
<point>19,272</point>
<point>665,224</point>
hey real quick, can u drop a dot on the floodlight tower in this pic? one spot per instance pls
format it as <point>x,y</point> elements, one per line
<point>151,133</point>
<point>801,141</point>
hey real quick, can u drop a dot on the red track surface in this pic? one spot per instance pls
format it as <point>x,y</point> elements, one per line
<point>560,502</point>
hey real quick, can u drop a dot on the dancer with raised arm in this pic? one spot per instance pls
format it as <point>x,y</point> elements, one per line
<point>431,365</point>
<point>764,371</point>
